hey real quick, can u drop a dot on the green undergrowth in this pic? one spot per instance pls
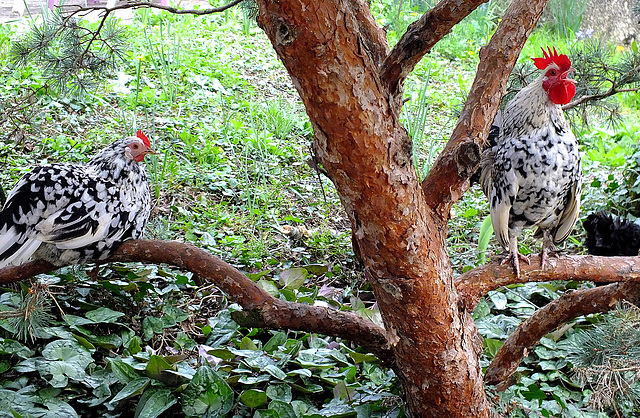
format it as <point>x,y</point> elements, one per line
<point>233,176</point>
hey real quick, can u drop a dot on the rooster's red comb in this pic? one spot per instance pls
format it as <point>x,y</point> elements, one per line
<point>550,56</point>
<point>144,138</point>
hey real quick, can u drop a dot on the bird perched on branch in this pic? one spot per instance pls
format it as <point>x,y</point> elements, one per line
<point>609,236</point>
<point>69,213</point>
<point>532,175</point>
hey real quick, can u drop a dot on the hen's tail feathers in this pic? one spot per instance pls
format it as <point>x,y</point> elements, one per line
<point>14,253</point>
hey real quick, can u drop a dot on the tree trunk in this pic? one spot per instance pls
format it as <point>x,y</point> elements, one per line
<point>333,50</point>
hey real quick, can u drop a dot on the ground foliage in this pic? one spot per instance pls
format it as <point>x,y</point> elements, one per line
<point>233,178</point>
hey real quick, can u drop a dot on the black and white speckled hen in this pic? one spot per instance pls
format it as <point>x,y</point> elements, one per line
<point>70,213</point>
<point>532,175</point>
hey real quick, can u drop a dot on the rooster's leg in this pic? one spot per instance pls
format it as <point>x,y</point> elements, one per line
<point>547,244</point>
<point>515,256</point>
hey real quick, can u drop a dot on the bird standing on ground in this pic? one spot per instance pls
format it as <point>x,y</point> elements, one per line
<point>532,175</point>
<point>70,214</point>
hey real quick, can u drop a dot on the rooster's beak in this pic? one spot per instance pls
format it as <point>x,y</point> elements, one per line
<point>565,75</point>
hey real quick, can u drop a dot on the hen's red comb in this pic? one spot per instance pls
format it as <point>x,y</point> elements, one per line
<point>560,60</point>
<point>144,138</point>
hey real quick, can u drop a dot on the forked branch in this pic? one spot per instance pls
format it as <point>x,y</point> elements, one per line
<point>565,308</point>
<point>260,309</point>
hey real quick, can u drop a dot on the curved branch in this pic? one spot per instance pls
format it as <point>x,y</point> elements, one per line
<point>420,37</point>
<point>448,178</point>
<point>475,283</point>
<point>260,308</point>
<point>567,307</point>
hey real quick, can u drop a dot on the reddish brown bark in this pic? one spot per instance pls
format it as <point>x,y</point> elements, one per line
<point>260,308</point>
<point>367,154</point>
<point>565,308</point>
<point>477,282</point>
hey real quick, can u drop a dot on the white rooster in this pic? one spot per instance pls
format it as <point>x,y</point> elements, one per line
<point>532,175</point>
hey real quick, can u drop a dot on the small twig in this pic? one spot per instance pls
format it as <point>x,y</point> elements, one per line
<point>599,96</point>
<point>175,10</point>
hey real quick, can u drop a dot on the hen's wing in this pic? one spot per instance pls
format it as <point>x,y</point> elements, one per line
<point>58,204</point>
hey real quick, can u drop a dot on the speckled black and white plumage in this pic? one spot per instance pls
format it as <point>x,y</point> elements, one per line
<point>532,176</point>
<point>70,213</point>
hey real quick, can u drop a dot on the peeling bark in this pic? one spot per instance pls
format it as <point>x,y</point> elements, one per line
<point>367,155</point>
<point>567,307</point>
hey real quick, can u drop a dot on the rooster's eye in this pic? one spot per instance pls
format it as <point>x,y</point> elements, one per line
<point>135,146</point>
<point>553,72</point>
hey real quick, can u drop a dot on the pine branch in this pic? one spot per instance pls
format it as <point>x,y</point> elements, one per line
<point>595,97</point>
<point>606,358</point>
<point>260,309</point>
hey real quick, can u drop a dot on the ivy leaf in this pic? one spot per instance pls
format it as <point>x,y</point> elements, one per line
<point>279,393</point>
<point>133,388</point>
<point>283,409</point>
<point>207,395</point>
<point>499,300</point>
<point>157,365</point>
<point>222,329</point>
<point>278,339</point>
<point>275,372</point>
<point>123,371</point>
<point>153,403</point>
<point>151,326</point>
<point>253,398</point>
<point>293,278</point>
<point>104,315</point>
<point>491,346</point>
<point>317,269</point>
<point>69,351</point>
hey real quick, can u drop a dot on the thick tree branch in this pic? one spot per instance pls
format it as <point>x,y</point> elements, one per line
<point>565,308</point>
<point>448,178</point>
<point>475,283</point>
<point>260,308</point>
<point>420,37</point>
